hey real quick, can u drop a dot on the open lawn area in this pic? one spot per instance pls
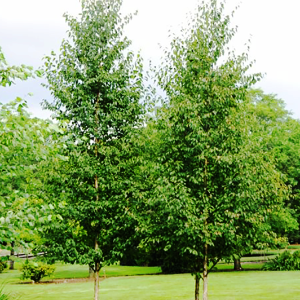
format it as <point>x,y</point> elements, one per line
<point>241,285</point>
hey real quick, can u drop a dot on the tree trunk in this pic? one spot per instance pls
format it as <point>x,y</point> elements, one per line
<point>91,272</point>
<point>205,274</point>
<point>12,264</point>
<point>237,264</point>
<point>197,286</point>
<point>97,270</point>
<point>12,253</point>
<point>205,263</point>
<point>97,264</point>
<point>96,282</point>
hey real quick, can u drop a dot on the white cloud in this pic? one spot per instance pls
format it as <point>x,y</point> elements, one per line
<point>31,29</point>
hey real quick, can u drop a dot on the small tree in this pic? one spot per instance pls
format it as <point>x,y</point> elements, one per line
<point>213,186</point>
<point>97,85</point>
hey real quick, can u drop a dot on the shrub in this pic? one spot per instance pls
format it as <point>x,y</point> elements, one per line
<point>286,261</point>
<point>3,264</point>
<point>36,271</point>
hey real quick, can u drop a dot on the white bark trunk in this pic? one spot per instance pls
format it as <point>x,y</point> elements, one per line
<point>197,287</point>
<point>205,274</point>
<point>96,283</point>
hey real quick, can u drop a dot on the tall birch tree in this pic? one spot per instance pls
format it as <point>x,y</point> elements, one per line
<point>213,187</point>
<point>96,82</point>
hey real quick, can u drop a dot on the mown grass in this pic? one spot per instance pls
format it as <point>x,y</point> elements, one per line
<point>245,266</point>
<point>76,271</point>
<point>254,258</point>
<point>67,271</point>
<point>17,288</point>
<point>296,247</point>
<point>222,285</point>
<point>71,271</point>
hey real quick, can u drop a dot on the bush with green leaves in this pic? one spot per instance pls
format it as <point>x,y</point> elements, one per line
<point>3,264</point>
<point>286,261</point>
<point>36,270</point>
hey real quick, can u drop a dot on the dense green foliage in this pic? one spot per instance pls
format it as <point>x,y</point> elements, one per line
<point>214,186</point>
<point>96,82</point>
<point>26,148</point>
<point>286,261</point>
<point>3,263</point>
<point>279,134</point>
<point>36,270</point>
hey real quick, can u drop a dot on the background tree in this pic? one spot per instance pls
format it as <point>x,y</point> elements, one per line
<point>25,144</point>
<point>279,134</point>
<point>213,188</point>
<point>9,73</point>
<point>96,83</point>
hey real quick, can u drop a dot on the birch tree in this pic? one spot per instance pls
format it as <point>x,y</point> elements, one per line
<point>213,186</point>
<point>96,82</point>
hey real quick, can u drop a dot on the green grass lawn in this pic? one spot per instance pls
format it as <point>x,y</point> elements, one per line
<point>70,271</point>
<point>296,247</point>
<point>255,258</point>
<point>245,266</point>
<point>242,285</point>
<point>77,271</point>
<point>222,284</point>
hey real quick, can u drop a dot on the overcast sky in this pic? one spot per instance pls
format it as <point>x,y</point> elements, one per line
<point>31,29</point>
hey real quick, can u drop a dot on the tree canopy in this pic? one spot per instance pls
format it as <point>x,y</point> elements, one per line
<point>25,144</point>
<point>279,135</point>
<point>214,187</point>
<point>96,82</point>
